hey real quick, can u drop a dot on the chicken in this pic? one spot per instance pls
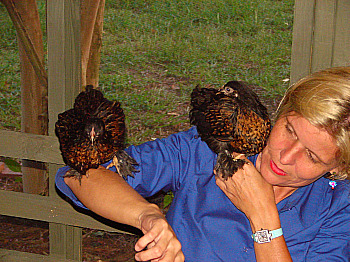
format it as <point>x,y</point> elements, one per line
<point>231,119</point>
<point>92,133</point>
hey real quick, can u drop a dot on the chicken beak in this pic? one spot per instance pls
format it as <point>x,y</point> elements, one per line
<point>220,90</point>
<point>92,135</point>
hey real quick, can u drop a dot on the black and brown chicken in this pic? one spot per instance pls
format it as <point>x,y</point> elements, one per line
<point>230,119</point>
<point>92,133</point>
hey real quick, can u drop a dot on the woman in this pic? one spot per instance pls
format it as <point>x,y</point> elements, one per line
<point>279,207</point>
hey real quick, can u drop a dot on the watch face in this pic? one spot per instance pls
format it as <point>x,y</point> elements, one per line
<point>263,236</point>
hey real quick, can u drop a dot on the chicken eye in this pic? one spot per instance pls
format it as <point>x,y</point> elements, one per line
<point>229,91</point>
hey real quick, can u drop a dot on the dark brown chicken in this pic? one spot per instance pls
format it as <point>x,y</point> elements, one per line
<point>231,119</point>
<point>92,133</point>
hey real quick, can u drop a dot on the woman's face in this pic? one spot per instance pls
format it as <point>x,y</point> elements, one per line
<point>297,153</point>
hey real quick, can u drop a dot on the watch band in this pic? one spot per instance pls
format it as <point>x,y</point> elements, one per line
<point>265,235</point>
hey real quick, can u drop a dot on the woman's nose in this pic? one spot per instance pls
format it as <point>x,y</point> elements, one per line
<point>289,153</point>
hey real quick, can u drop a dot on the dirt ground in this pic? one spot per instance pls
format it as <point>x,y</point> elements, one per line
<point>33,236</point>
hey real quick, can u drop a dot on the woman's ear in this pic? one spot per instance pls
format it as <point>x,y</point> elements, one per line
<point>336,171</point>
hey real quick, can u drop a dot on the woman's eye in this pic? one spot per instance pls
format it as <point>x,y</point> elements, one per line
<point>310,156</point>
<point>289,130</point>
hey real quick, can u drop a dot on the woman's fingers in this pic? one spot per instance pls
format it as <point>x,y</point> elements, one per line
<point>160,240</point>
<point>163,250</point>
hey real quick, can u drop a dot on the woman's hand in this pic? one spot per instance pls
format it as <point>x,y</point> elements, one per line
<point>248,191</point>
<point>159,239</point>
<point>107,194</point>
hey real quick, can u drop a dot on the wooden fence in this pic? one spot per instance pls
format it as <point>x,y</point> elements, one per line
<point>321,36</point>
<point>65,223</point>
<point>321,39</point>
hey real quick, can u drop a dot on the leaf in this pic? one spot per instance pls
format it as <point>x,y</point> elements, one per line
<point>13,165</point>
<point>168,198</point>
<point>18,179</point>
<point>98,233</point>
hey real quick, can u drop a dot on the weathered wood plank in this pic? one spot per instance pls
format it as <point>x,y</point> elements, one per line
<point>69,239</point>
<point>303,26</point>
<point>48,209</point>
<point>325,12</point>
<point>64,66</point>
<point>29,146</point>
<point>15,256</point>
<point>341,51</point>
<point>321,36</point>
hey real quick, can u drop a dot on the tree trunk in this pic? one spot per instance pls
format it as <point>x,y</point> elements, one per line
<point>92,12</point>
<point>25,17</point>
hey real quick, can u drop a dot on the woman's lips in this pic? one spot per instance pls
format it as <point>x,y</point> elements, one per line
<point>276,170</point>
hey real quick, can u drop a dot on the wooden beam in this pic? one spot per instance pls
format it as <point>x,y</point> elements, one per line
<point>303,27</point>
<point>15,256</point>
<point>321,36</point>
<point>64,58</point>
<point>28,45</point>
<point>29,146</point>
<point>66,235</point>
<point>64,70</point>
<point>324,30</point>
<point>341,49</point>
<point>52,210</point>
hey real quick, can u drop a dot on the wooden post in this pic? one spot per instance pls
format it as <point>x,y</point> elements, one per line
<point>321,36</point>
<point>64,71</point>
<point>33,84</point>
<point>94,55</point>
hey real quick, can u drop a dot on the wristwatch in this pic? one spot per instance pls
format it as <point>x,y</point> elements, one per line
<point>265,236</point>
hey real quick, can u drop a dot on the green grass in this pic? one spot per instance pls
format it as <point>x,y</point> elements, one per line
<point>155,52</point>
<point>9,73</point>
<point>205,40</point>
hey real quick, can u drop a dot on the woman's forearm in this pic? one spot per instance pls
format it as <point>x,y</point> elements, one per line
<point>251,194</point>
<point>276,250</point>
<point>107,194</point>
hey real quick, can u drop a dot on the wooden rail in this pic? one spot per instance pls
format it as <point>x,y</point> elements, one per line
<point>321,38</point>
<point>28,146</point>
<point>50,209</point>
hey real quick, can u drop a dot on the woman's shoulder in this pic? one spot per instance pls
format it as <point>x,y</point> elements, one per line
<point>178,137</point>
<point>337,196</point>
<point>342,191</point>
<point>339,188</point>
<point>334,190</point>
<point>188,135</point>
<point>187,140</point>
<point>319,197</point>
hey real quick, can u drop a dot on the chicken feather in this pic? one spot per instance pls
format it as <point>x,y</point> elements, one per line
<point>92,133</point>
<point>231,119</point>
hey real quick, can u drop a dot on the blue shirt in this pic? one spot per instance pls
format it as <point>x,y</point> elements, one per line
<point>315,219</point>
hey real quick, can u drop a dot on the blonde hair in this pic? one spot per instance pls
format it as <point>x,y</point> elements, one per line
<point>323,98</point>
